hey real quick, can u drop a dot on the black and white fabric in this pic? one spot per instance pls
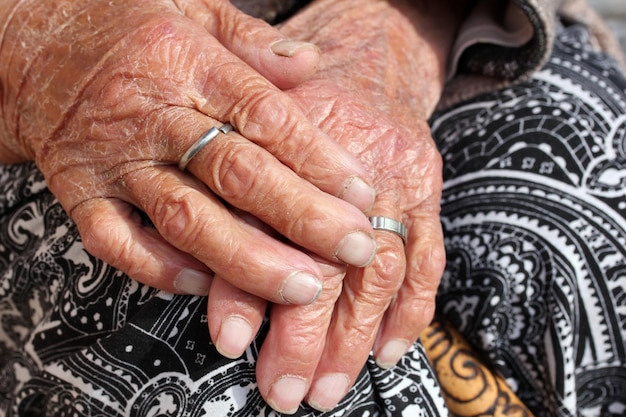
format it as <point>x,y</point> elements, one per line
<point>534,213</point>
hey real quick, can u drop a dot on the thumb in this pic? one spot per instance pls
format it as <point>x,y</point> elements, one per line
<point>285,63</point>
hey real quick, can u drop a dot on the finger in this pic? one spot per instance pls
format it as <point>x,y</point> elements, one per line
<point>412,310</point>
<point>193,220</point>
<point>269,118</point>
<point>234,317</point>
<point>367,293</point>
<point>114,232</point>
<point>251,179</point>
<point>189,68</point>
<point>284,62</point>
<point>294,344</point>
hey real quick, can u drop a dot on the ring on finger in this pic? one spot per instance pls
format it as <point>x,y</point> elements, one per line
<point>390,225</point>
<point>202,141</point>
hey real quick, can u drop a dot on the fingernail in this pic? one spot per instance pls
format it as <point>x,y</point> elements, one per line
<point>235,335</point>
<point>286,394</point>
<point>391,353</point>
<point>300,288</point>
<point>288,48</point>
<point>359,194</point>
<point>328,391</point>
<point>357,249</point>
<point>192,282</point>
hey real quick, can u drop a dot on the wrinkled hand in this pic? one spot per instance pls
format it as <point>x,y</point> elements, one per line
<point>106,95</point>
<point>379,80</point>
<point>316,351</point>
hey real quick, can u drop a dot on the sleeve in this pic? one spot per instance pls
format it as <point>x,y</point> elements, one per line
<point>505,41</point>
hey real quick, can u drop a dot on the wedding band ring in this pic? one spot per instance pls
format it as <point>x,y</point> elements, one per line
<point>202,141</point>
<point>390,225</point>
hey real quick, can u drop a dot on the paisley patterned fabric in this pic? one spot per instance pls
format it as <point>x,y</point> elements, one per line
<point>534,218</point>
<point>534,213</point>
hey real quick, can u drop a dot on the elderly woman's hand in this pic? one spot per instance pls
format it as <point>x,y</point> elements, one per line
<point>107,95</point>
<point>381,74</point>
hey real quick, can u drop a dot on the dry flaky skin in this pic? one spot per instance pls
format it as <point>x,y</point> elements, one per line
<point>380,76</point>
<point>106,95</point>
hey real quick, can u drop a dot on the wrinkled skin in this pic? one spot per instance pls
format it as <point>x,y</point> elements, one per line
<point>108,126</point>
<point>379,79</point>
<point>107,101</point>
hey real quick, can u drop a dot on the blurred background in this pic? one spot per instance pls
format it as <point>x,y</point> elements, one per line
<point>614,11</point>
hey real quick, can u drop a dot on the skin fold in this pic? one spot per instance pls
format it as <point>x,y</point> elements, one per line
<point>380,76</point>
<point>105,96</point>
<point>106,114</point>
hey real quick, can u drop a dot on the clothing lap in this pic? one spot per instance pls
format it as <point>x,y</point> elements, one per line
<point>534,217</point>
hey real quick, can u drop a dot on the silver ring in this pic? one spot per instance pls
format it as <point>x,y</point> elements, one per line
<point>202,141</point>
<point>390,225</point>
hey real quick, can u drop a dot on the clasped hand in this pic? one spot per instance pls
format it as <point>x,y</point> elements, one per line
<point>275,210</point>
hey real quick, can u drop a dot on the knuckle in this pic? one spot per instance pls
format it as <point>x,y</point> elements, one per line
<point>307,219</point>
<point>175,216</point>
<point>95,234</point>
<point>103,239</point>
<point>372,295</point>
<point>305,331</point>
<point>426,312</point>
<point>267,127</point>
<point>252,115</point>
<point>236,170</point>
<point>390,266</point>
<point>360,333</point>
<point>428,266</point>
<point>332,287</point>
<point>157,31</point>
